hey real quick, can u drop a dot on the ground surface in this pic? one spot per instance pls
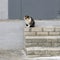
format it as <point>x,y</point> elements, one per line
<point>15,40</point>
<point>11,55</point>
<point>20,55</point>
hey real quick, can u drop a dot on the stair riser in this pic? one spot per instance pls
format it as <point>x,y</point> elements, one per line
<point>42,53</point>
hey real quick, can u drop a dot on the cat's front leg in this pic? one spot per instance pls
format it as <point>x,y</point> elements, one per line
<point>28,26</point>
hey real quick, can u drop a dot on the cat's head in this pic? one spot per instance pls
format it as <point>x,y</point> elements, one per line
<point>26,17</point>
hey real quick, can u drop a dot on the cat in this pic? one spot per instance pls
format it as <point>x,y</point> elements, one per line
<point>29,21</point>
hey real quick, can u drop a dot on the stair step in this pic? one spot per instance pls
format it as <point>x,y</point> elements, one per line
<point>42,48</point>
<point>42,52</point>
<point>42,37</point>
<point>42,41</point>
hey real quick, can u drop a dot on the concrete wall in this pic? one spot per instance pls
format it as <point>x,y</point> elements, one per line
<point>14,9</point>
<point>3,9</point>
<point>38,9</point>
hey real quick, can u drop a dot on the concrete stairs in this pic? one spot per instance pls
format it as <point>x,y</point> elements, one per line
<point>42,41</point>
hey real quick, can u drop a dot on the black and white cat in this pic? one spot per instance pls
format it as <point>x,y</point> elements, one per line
<point>29,21</point>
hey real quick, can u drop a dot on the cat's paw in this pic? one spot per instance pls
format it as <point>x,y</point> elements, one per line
<point>26,26</point>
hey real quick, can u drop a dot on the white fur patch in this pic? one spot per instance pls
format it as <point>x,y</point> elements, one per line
<point>27,21</point>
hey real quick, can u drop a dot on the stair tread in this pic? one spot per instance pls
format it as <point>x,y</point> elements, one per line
<point>42,48</point>
<point>38,37</point>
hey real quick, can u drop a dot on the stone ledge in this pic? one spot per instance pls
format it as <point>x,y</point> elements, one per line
<point>42,33</point>
<point>42,48</point>
<point>42,37</point>
<point>48,29</point>
<point>54,33</point>
<point>43,52</point>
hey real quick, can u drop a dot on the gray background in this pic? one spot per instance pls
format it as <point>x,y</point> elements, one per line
<point>14,9</point>
<point>3,9</point>
<point>38,9</point>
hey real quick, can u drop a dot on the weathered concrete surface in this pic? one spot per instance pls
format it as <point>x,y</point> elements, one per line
<point>20,55</point>
<point>11,55</point>
<point>12,35</point>
<point>42,37</point>
<point>3,9</point>
<point>15,40</point>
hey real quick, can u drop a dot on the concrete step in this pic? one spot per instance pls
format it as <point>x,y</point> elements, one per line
<point>42,37</point>
<point>42,41</point>
<point>42,52</point>
<point>44,29</point>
